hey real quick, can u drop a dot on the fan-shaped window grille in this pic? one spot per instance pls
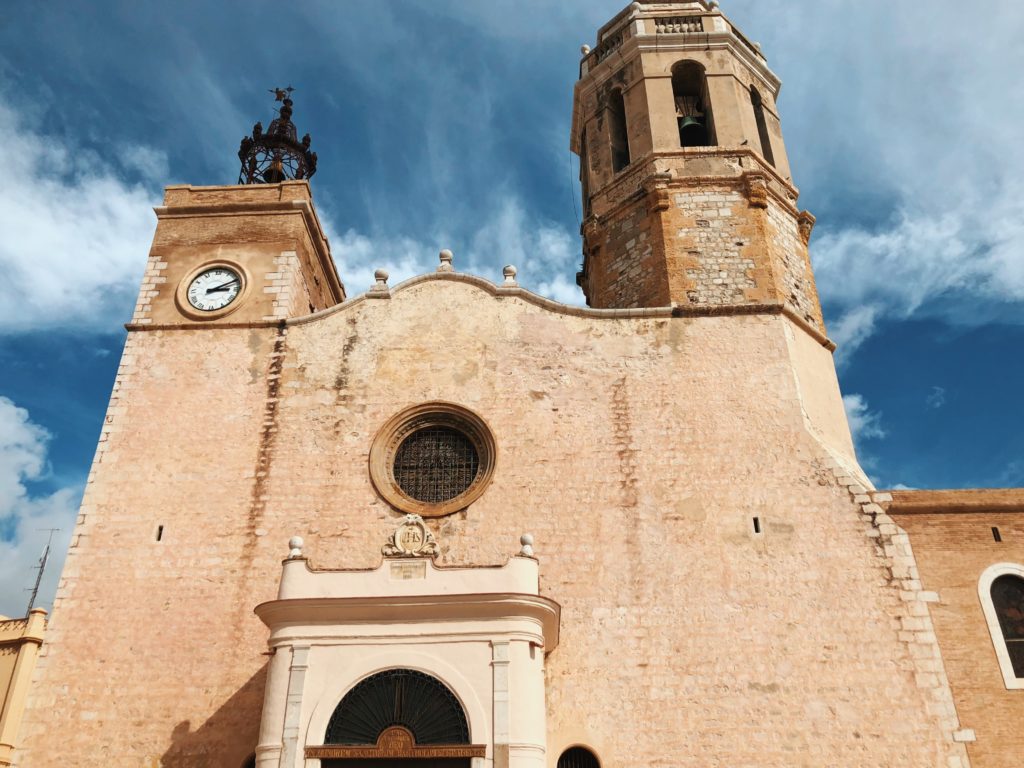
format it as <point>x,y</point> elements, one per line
<point>578,757</point>
<point>436,464</point>
<point>1008,599</point>
<point>402,697</point>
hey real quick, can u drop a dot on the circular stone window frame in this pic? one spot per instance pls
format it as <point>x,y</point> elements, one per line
<point>181,293</point>
<point>424,416</point>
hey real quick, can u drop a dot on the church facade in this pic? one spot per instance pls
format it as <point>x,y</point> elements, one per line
<point>453,523</point>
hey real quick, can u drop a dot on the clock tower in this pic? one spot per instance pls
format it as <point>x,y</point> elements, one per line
<point>248,253</point>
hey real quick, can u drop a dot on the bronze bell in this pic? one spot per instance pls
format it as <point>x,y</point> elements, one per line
<point>689,122</point>
<point>692,132</point>
<point>275,173</point>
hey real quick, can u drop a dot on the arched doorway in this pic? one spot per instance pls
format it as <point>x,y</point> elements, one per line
<point>399,718</point>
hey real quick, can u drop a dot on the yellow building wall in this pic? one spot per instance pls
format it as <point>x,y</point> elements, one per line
<point>19,646</point>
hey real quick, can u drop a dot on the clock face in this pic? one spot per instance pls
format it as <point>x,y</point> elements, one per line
<point>214,289</point>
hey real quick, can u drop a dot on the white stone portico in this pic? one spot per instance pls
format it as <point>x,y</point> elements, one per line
<point>483,632</point>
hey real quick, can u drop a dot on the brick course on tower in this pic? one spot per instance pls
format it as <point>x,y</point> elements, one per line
<point>641,538</point>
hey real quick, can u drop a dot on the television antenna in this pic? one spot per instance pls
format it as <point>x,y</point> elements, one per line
<point>41,567</point>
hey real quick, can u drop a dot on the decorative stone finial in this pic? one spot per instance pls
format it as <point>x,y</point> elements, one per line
<point>714,5</point>
<point>526,540</point>
<point>411,538</point>
<point>446,257</point>
<point>635,7</point>
<point>510,274</point>
<point>584,49</point>
<point>381,276</point>
<point>295,547</point>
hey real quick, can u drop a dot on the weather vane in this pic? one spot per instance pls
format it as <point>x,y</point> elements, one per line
<point>276,155</point>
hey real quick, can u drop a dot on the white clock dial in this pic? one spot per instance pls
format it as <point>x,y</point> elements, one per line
<point>214,289</point>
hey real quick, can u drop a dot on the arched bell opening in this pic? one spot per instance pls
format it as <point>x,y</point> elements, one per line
<point>762,126</point>
<point>394,719</point>
<point>693,107</point>
<point>617,132</point>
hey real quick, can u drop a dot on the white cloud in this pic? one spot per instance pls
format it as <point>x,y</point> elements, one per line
<point>912,140</point>
<point>543,253</point>
<point>928,264</point>
<point>865,424</point>
<point>27,517</point>
<point>358,256</point>
<point>76,234</point>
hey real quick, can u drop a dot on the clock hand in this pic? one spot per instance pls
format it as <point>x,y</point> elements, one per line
<point>222,286</point>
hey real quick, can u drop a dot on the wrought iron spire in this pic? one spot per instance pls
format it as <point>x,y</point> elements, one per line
<point>277,155</point>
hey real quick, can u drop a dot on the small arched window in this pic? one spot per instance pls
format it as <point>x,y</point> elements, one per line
<point>762,126</point>
<point>693,107</point>
<point>1001,590</point>
<point>578,757</point>
<point>1008,599</point>
<point>617,130</point>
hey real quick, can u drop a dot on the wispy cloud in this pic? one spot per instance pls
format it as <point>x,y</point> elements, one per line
<point>75,232</point>
<point>865,424</point>
<point>936,398</point>
<point>911,155</point>
<point>25,517</point>
<point>542,251</point>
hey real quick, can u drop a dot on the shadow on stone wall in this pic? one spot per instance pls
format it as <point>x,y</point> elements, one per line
<point>227,738</point>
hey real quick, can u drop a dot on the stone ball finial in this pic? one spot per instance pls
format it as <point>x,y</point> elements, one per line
<point>295,547</point>
<point>635,7</point>
<point>381,276</point>
<point>510,274</point>
<point>584,49</point>
<point>714,5</point>
<point>446,257</point>
<point>526,542</point>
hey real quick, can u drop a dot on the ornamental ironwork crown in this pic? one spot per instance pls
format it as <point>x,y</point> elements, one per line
<point>276,155</point>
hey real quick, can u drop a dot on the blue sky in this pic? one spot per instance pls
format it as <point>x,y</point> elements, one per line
<point>444,123</point>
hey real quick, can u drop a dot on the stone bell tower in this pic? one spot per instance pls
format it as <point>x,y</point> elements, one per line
<point>687,194</point>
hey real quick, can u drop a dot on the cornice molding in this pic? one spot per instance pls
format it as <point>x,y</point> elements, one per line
<point>501,291</point>
<point>418,609</point>
<point>962,501</point>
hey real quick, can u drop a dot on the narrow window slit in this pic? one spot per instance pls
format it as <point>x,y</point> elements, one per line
<point>996,535</point>
<point>757,525</point>
<point>159,532</point>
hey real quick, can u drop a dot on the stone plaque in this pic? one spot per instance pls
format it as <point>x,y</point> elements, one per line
<point>408,571</point>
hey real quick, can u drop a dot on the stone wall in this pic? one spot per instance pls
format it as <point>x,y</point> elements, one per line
<point>637,450</point>
<point>627,265</point>
<point>715,234</point>
<point>794,274</point>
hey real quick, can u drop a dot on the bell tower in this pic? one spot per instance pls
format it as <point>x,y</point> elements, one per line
<point>687,195</point>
